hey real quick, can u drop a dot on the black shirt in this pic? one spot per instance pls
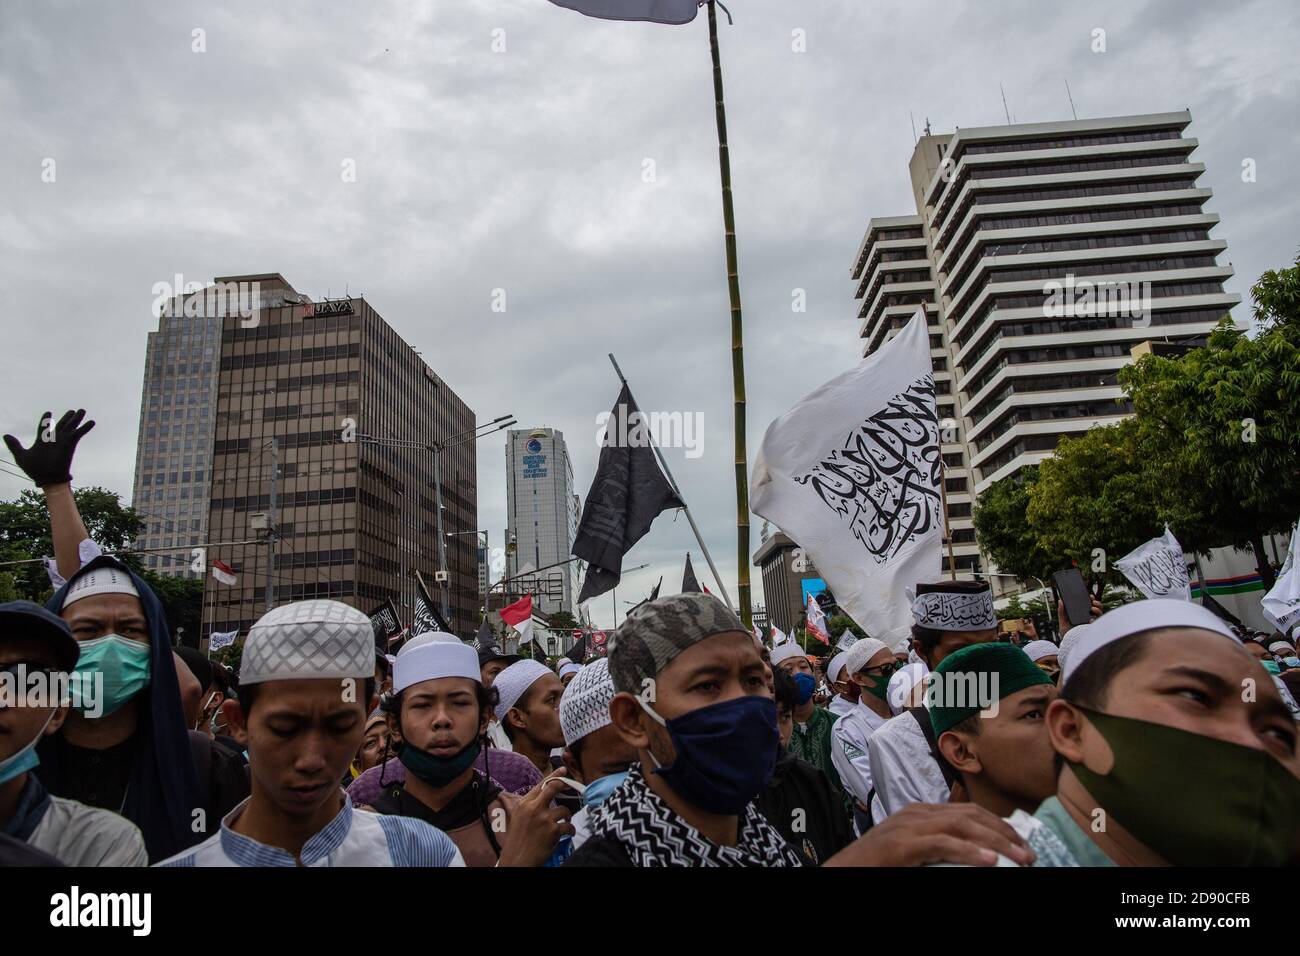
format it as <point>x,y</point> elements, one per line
<point>823,826</point>
<point>465,807</point>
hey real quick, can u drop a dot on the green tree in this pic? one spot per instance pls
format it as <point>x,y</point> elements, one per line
<point>1092,502</point>
<point>1220,426</point>
<point>1003,529</point>
<point>182,601</point>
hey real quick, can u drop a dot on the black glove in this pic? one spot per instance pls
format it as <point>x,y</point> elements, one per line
<point>49,461</point>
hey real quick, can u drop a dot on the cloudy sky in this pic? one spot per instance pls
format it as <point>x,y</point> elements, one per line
<point>509,144</point>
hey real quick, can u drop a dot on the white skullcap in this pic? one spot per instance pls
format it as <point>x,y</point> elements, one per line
<point>1037,650</point>
<point>1136,618</point>
<point>429,637</point>
<point>102,580</point>
<point>561,662</point>
<point>1277,646</point>
<point>903,646</point>
<point>309,640</point>
<point>584,706</point>
<point>1072,637</point>
<point>567,668</point>
<point>784,652</point>
<point>835,666</point>
<point>512,682</point>
<point>432,660</point>
<point>901,684</point>
<point>856,657</point>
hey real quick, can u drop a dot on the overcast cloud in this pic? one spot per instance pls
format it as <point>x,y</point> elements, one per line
<point>522,170</point>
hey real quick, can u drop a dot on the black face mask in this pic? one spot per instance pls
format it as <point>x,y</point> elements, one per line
<point>438,771</point>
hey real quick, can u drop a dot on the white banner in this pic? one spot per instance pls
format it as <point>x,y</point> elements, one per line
<point>852,473</point>
<point>220,639</point>
<point>656,11</point>
<point>1282,604</point>
<point>1158,568</point>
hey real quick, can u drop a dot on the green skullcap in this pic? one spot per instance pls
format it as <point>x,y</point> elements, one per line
<point>997,670</point>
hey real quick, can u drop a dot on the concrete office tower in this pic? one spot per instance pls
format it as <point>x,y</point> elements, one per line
<point>542,514</point>
<point>354,520</point>
<point>174,446</point>
<point>1043,253</point>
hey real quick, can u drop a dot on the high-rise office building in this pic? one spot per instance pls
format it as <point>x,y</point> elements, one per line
<point>174,446</point>
<point>542,514</point>
<point>1042,253</point>
<point>299,392</point>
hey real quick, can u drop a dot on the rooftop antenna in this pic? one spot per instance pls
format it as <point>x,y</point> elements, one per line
<point>927,126</point>
<point>1004,104</point>
<point>913,119</point>
<point>1067,93</point>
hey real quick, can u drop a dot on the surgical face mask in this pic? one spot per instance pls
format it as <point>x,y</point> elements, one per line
<point>594,793</point>
<point>806,684</point>
<point>1291,661</point>
<point>124,665</point>
<point>25,759</point>
<point>438,771</point>
<point>726,752</point>
<point>1195,800</point>
<point>1272,667</point>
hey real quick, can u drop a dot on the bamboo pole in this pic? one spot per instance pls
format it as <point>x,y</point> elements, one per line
<point>737,339</point>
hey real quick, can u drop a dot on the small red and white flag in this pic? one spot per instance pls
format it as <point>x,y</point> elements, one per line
<point>224,573</point>
<point>520,616</point>
<point>817,621</point>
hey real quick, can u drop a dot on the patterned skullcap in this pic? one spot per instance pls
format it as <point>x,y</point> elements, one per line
<point>309,640</point>
<point>105,579</point>
<point>584,707</point>
<point>514,681</point>
<point>954,606</point>
<point>655,632</point>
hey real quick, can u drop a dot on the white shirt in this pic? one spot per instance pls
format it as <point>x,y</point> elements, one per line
<point>840,706</point>
<point>902,768</point>
<point>352,838</point>
<point>497,734</point>
<point>79,835</point>
<point>850,754</point>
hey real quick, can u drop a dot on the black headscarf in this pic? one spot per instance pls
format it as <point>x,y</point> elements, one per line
<point>164,785</point>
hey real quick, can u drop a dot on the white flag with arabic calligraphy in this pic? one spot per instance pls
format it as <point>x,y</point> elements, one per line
<point>1158,568</point>
<point>852,473</point>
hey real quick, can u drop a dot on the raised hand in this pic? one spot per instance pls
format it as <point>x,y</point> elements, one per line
<point>49,460</point>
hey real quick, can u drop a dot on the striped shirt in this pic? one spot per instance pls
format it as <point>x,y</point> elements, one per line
<point>352,838</point>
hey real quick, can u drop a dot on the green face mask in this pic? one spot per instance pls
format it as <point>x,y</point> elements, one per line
<point>124,665</point>
<point>1195,800</point>
<point>880,688</point>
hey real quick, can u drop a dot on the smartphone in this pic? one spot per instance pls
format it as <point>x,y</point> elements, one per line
<point>1074,595</point>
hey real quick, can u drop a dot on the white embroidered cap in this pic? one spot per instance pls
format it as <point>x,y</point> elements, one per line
<point>835,666</point>
<point>432,660</point>
<point>102,580</point>
<point>784,652</point>
<point>954,609</point>
<point>1037,650</point>
<point>584,706</point>
<point>512,682</point>
<point>309,640</point>
<point>856,657</point>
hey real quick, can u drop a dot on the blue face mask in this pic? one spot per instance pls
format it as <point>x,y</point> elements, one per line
<point>725,752</point>
<point>806,684</point>
<point>1291,661</point>
<point>596,791</point>
<point>124,665</point>
<point>25,759</point>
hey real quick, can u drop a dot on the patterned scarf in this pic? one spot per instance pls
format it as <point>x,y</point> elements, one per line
<point>654,835</point>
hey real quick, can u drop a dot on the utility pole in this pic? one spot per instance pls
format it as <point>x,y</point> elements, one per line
<point>442,541</point>
<point>271,527</point>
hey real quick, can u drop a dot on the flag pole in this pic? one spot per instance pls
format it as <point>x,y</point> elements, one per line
<point>737,344</point>
<point>677,491</point>
<point>947,531</point>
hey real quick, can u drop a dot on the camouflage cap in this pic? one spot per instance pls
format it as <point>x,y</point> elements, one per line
<point>654,633</point>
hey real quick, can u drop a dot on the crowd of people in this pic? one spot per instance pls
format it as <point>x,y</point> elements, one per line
<point>1153,735</point>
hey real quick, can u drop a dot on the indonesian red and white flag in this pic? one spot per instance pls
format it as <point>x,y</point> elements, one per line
<point>520,616</point>
<point>817,621</point>
<point>655,11</point>
<point>224,573</point>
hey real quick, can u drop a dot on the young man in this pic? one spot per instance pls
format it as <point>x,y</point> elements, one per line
<point>594,752</point>
<point>845,691</point>
<point>492,662</point>
<point>567,672</point>
<point>799,801</point>
<point>870,664</point>
<point>946,617</point>
<point>443,710</point>
<point>692,700</point>
<point>306,685</point>
<point>135,755</point>
<point>1175,747</point>
<point>528,707</point>
<point>995,739</point>
<point>38,651</point>
<point>811,739</point>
